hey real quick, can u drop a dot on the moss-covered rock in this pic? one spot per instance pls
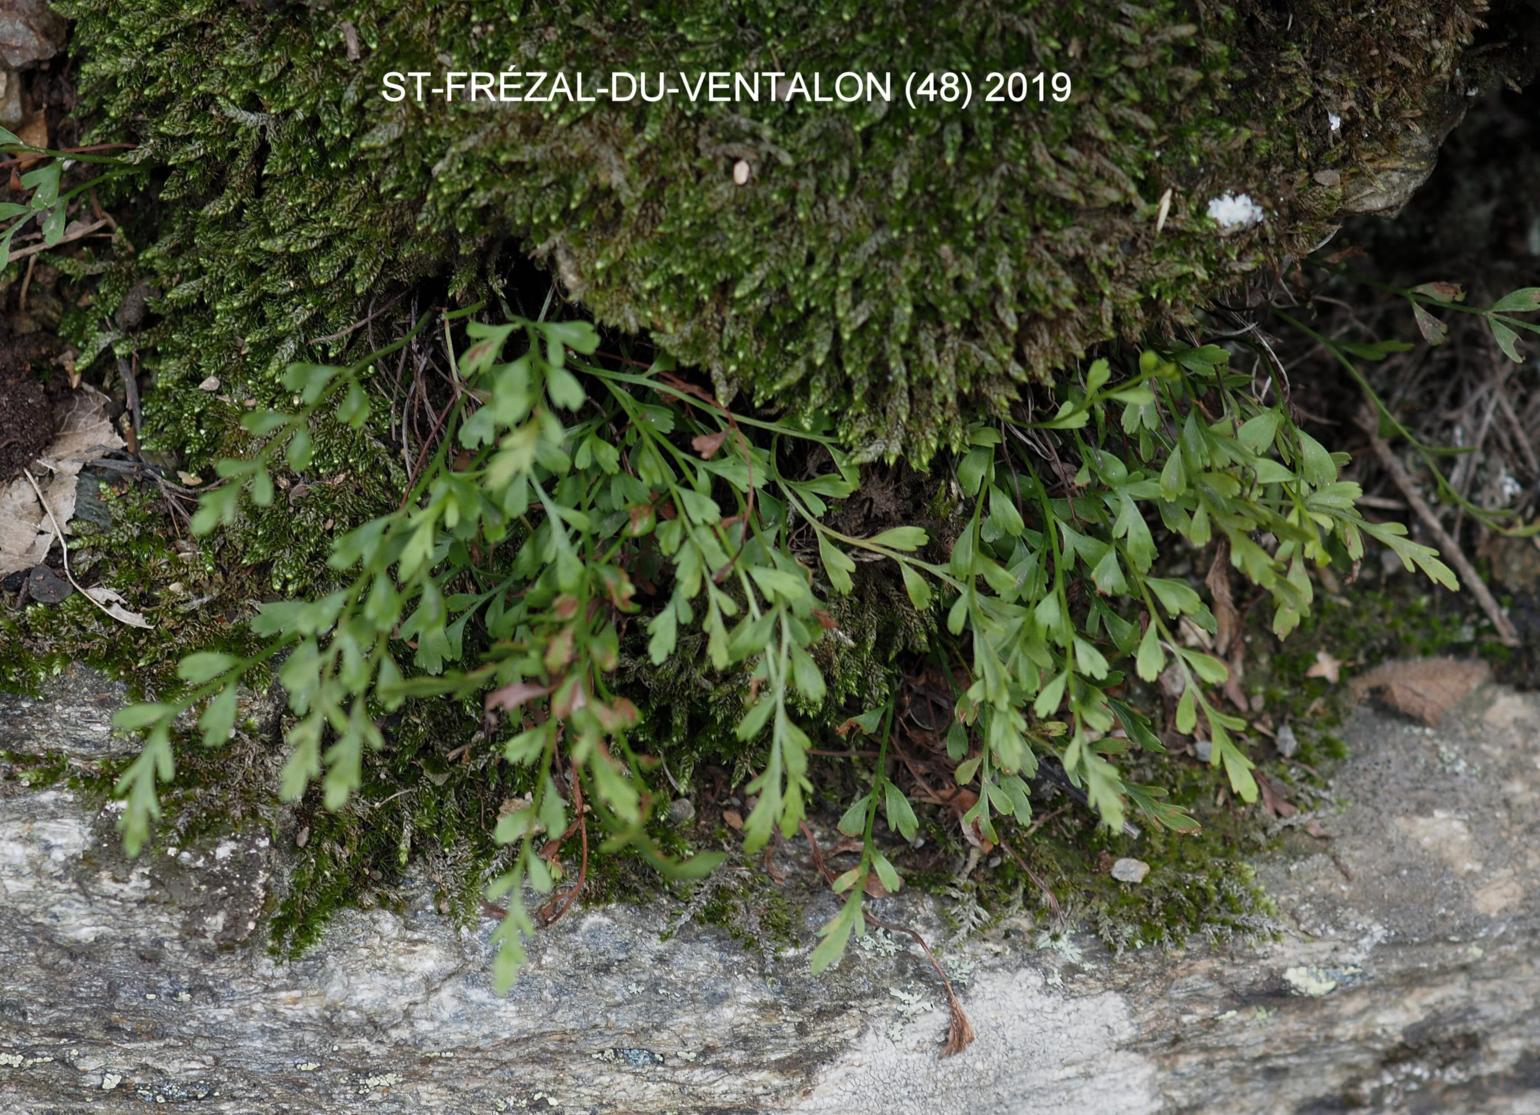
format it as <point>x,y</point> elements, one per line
<point>902,268</point>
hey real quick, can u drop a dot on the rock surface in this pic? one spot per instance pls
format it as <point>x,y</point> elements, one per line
<point>29,32</point>
<point>1404,978</point>
<point>71,716</point>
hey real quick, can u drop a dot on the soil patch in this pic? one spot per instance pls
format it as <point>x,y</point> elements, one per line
<point>27,422</point>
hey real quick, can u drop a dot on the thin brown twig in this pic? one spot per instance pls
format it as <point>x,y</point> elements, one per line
<point>1447,544</point>
<point>1054,906</point>
<point>68,238</point>
<point>422,455</point>
<point>64,549</point>
<point>619,359</point>
<point>959,1031</point>
<point>357,325</point>
<point>582,826</point>
<point>26,285</point>
<point>1520,437</point>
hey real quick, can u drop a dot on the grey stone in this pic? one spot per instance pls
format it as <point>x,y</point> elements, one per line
<point>1403,978</point>
<point>1129,870</point>
<point>46,586</point>
<point>681,811</point>
<point>71,716</point>
<point>11,113</point>
<point>29,32</point>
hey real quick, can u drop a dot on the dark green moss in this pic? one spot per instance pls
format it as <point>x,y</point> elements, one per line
<point>902,269</point>
<point>190,598</point>
<point>1197,885</point>
<point>36,771</point>
<point>905,271</point>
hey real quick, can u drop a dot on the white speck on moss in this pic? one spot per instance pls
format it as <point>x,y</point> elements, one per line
<point>1233,212</point>
<point>1335,121</point>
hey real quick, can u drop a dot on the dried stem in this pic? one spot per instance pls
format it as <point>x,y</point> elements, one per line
<point>959,1031</point>
<point>65,549</point>
<point>1447,544</point>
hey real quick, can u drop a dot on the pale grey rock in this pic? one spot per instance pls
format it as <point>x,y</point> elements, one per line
<point>11,112</point>
<point>1126,869</point>
<point>1403,979</point>
<point>72,715</point>
<point>29,32</point>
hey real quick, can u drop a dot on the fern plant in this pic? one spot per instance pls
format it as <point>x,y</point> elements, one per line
<point>577,513</point>
<point>48,199</point>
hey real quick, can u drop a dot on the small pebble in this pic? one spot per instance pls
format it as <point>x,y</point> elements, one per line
<point>47,587</point>
<point>741,172</point>
<point>1127,870</point>
<point>1287,742</point>
<point>681,811</point>
<point>1203,749</point>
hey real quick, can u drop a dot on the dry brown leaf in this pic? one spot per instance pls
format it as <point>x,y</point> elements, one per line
<point>1423,688</point>
<point>1325,667</point>
<point>115,606</point>
<point>708,444</point>
<point>1273,799</point>
<point>85,431</point>
<point>1232,686</point>
<point>1226,619</point>
<point>23,541</point>
<point>1227,625</point>
<point>509,697</point>
<point>874,887</point>
<point>34,133</point>
<point>85,434</point>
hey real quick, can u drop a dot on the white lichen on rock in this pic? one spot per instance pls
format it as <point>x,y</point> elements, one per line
<point>1310,982</point>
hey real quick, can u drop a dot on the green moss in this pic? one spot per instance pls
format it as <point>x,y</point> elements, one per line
<point>1197,886</point>
<point>1203,885</point>
<point>900,268</point>
<point>36,771</point>
<point>190,598</point>
<point>750,908</point>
